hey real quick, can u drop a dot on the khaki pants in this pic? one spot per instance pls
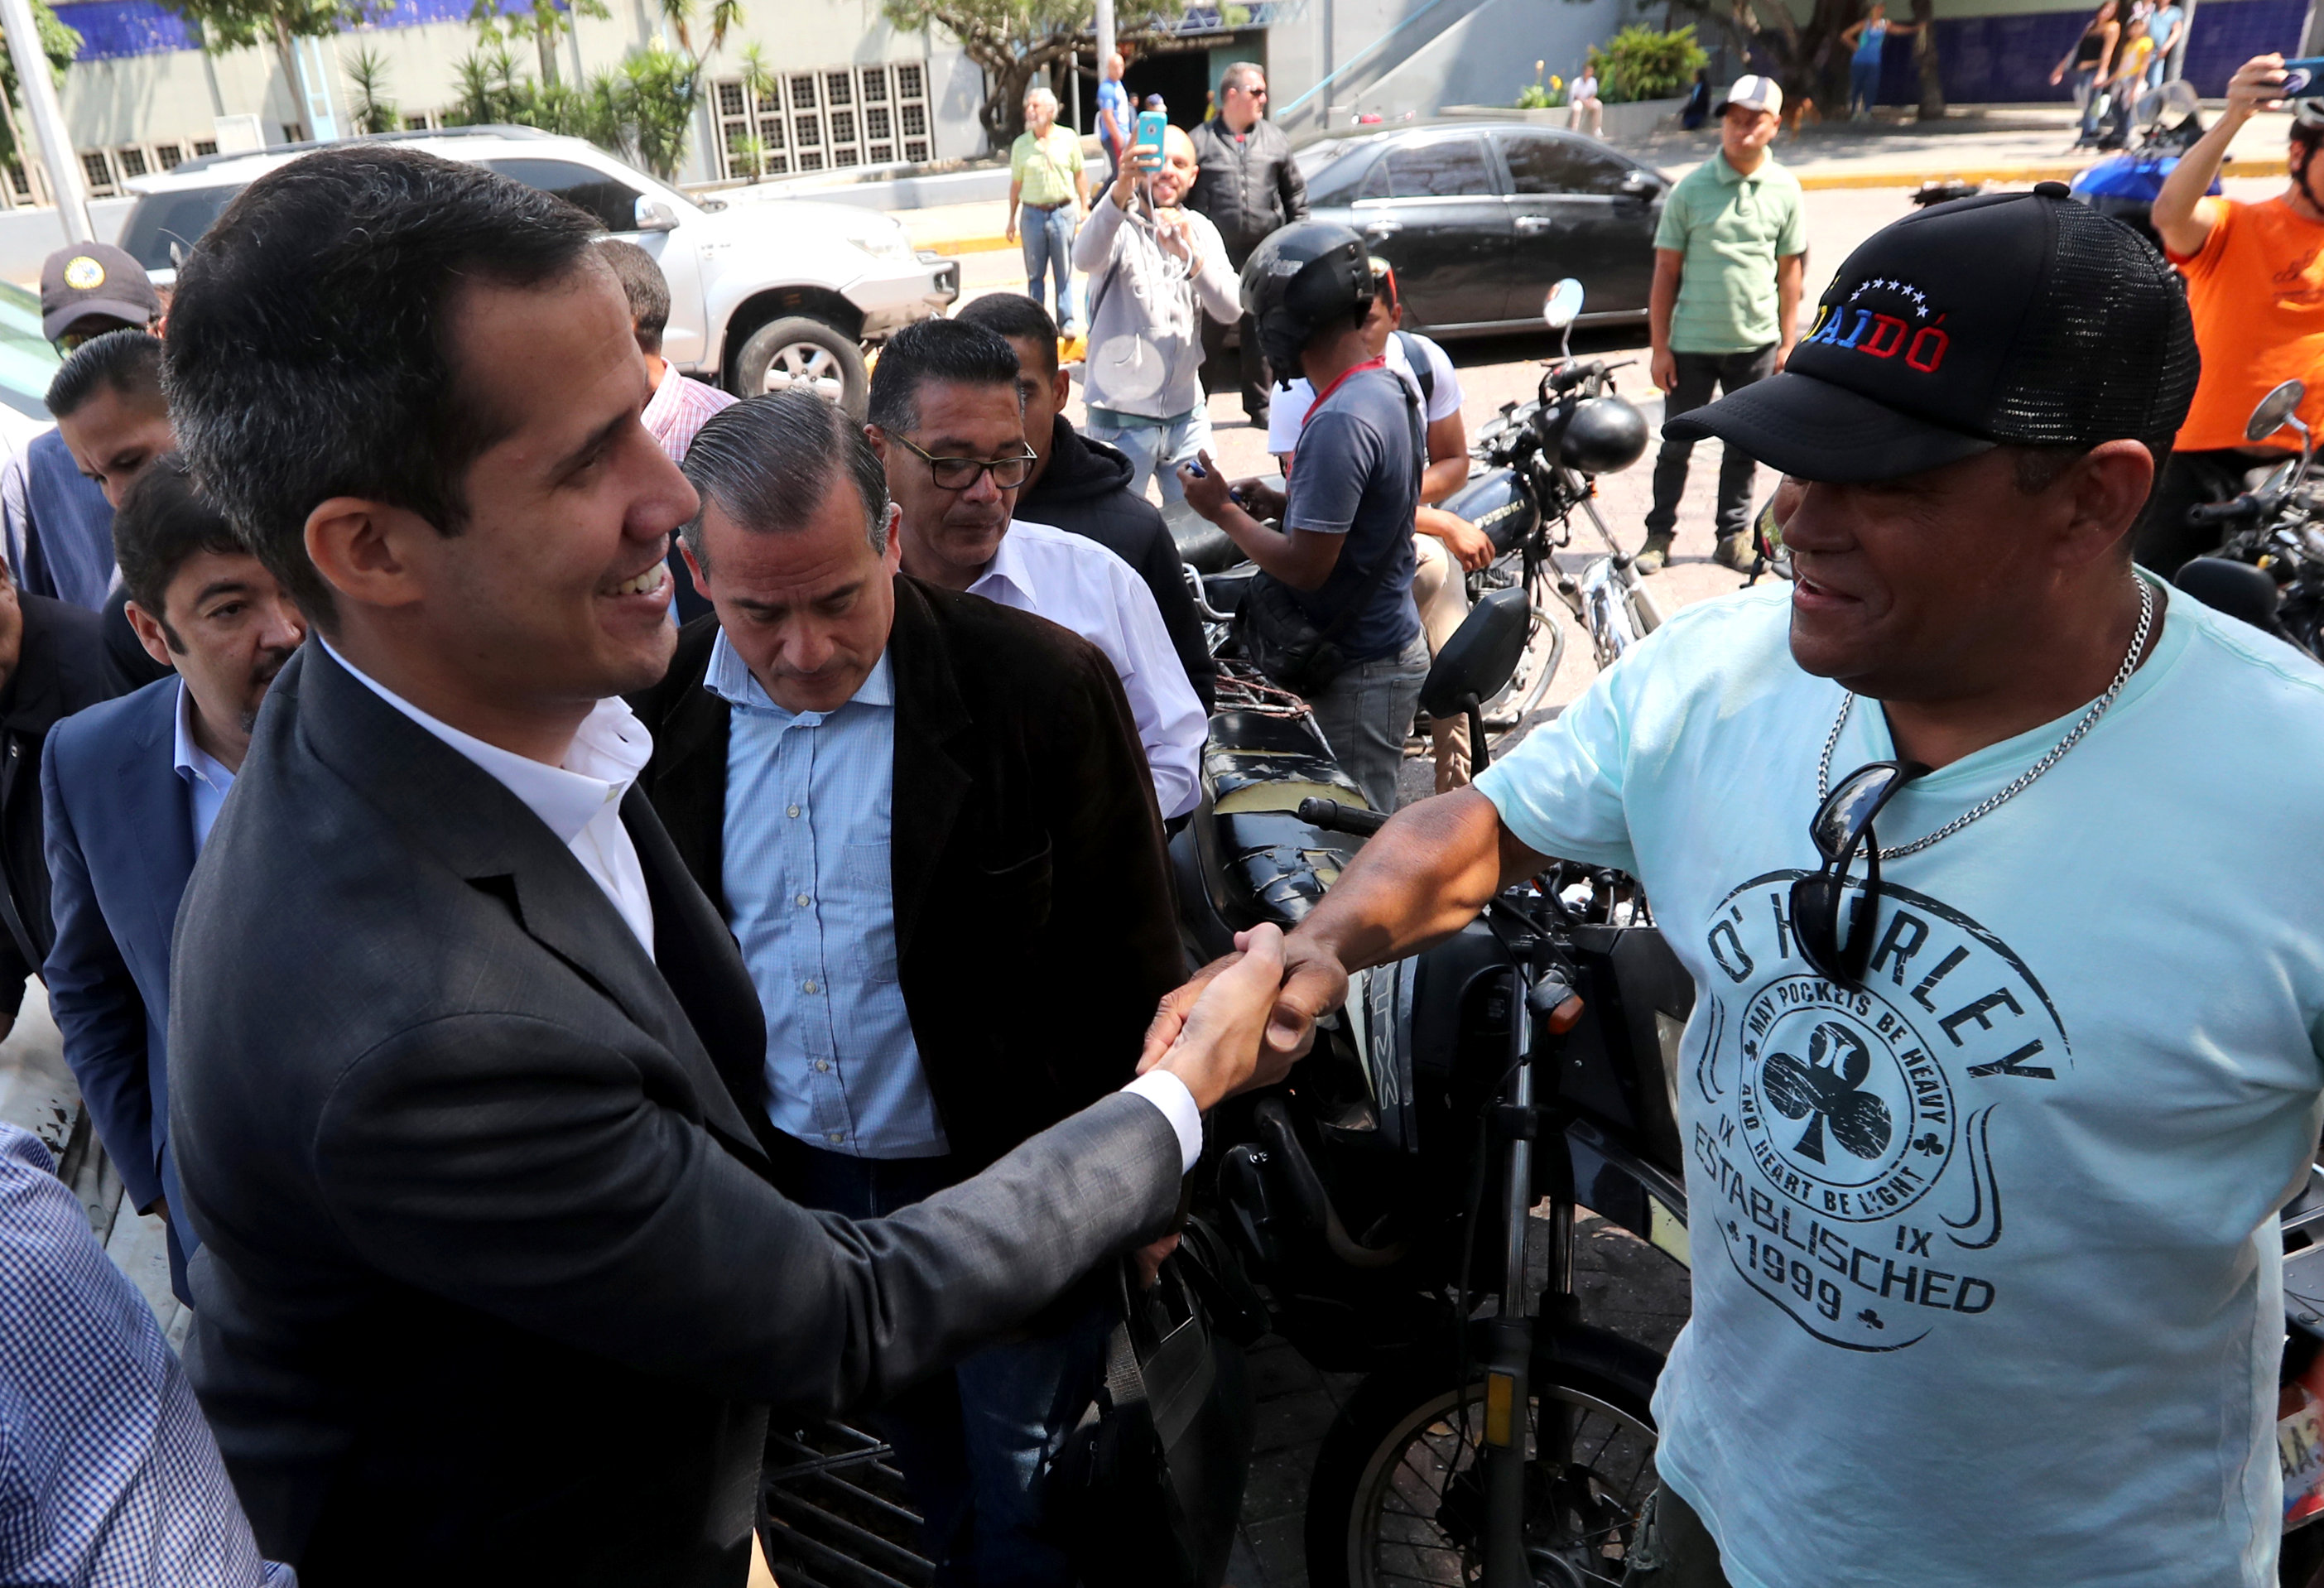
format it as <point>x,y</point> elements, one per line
<point>1442,593</point>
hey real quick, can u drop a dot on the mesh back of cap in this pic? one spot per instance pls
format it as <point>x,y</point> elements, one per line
<point>2108,348</point>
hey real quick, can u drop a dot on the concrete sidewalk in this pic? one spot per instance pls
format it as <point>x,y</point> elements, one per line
<point>2009,145</point>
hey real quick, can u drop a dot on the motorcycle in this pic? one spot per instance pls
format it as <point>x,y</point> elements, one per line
<point>1535,467</point>
<point>2124,185</point>
<point>2269,568</point>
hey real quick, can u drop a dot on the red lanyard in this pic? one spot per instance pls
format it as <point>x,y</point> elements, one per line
<point>1379,363</point>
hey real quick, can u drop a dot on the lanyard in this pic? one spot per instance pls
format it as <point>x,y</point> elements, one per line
<point>1325,394</point>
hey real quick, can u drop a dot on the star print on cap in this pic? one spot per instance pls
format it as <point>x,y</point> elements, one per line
<point>2018,318</point>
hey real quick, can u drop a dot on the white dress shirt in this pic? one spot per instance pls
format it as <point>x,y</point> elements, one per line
<point>580,802</point>
<point>1079,585</point>
<point>206,779</point>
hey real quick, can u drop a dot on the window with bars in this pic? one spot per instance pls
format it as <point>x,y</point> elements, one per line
<point>204,146</point>
<point>421,121</point>
<point>168,156</point>
<point>828,119</point>
<point>132,160</point>
<point>20,185</point>
<point>97,167</point>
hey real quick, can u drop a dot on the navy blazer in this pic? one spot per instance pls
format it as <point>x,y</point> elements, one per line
<point>120,844</point>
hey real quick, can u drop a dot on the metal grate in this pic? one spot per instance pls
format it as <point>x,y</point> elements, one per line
<point>168,156</point>
<point>837,1514</point>
<point>838,117</point>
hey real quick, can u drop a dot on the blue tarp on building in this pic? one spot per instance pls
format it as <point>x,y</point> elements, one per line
<point>2006,59</point>
<point>112,29</point>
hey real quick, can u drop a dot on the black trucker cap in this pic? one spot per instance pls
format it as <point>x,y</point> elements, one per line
<point>2024,319</point>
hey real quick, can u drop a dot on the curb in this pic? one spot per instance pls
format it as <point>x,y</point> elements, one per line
<point>2056,172</point>
<point>1813,181</point>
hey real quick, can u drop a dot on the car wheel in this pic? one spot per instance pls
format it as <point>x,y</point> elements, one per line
<point>802,354</point>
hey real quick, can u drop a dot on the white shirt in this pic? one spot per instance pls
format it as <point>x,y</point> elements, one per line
<point>206,779</point>
<point>1079,585</point>
<point>580,801</point>
<point>1987,1274</point>
<point>1289,416</point>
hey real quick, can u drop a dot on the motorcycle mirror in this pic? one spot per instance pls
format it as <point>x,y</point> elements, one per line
<point>1481,657</point>
<point>1562,306</point>
<point>2275,410</point>
<point>2175,102</point>
<point>2147,111</point>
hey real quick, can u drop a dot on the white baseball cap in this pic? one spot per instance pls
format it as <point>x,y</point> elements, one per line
<point>1752,93</point>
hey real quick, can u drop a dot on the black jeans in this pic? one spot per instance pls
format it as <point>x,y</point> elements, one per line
<point>1698,374</point>
<point>1252,372</point>
<point>2165,538</point>
<point>1673,1548</point>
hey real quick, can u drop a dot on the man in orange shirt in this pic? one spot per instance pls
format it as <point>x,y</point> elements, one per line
<point>2255,283</point>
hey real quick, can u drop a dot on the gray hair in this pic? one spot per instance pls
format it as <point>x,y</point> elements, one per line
<point>768,462</point>
<point>1047,96</point>
<point>1242,74</point>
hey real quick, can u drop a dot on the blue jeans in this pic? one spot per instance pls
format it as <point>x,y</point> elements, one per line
<point>1863,85</point>
<point>971,1442</point>
<point>1048,239</point>
<point>1365,713</point>
<point>1155,449</point>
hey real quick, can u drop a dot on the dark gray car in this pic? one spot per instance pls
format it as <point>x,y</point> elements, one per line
<point>1478,218</point>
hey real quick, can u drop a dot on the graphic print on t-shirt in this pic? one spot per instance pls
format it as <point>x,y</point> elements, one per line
<point>1850,1134</point>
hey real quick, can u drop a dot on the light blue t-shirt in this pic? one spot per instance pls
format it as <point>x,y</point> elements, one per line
<point>1113,98</point>
<point>1988,1283</point>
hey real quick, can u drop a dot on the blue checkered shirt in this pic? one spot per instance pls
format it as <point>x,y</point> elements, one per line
<point>809,796</point>
<point>108,1474</point>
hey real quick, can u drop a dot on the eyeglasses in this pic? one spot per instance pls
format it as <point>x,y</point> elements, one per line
<point>958,473</point>
<point>1841,825</point>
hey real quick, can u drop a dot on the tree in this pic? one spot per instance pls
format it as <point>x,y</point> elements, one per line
<point>372,111</point>
<point>59,43</point>
<point>240,25</point>
<point>546,21</point>
<point>1811,57</point>
<point>1013,40</point>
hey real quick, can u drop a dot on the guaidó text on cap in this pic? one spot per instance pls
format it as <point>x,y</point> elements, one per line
<point>2020,318</point>
<point>90,278</point>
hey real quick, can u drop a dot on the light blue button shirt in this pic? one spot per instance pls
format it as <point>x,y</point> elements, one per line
<point>809,796</point>
<point>206,779</point>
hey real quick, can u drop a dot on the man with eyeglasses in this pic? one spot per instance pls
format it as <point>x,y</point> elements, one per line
<point>948,421</point>
<point>1985,1146</point>
<point>1250,187</point>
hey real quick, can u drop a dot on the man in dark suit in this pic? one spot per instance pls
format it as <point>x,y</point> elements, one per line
<point>51,664</point>
<point>131,790</point>
<point>904,793</point>
<point>468,1089</point>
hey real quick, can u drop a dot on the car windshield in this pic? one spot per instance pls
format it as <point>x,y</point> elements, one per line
<point>164,226</point>
<point>27,362</point>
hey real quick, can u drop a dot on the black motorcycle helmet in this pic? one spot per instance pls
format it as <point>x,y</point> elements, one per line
<point>1605,434</point>
<point>1304,277</point>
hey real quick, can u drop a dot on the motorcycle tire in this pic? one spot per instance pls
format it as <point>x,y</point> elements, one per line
<point>1397,1493</point>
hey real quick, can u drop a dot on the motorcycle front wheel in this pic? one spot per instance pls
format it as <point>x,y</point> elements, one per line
<point>1398,1492</point>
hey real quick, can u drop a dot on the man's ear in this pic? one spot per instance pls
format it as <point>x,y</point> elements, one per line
<point>364,549</point>
<point>147,630</point>
<point>892,559</point>
<point>1061,388</point>
<point>879,439</point>
<point>2108,486</point>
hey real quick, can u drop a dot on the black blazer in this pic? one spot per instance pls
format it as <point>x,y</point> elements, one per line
<point>494,1285</point>
<point>60,669</point>
<point>1034,925</point>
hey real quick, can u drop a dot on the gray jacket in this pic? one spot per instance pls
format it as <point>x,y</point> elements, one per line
<point>1145,311</point>
<point>496,1286</point>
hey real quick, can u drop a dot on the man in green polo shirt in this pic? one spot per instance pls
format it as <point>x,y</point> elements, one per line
<point>1048,185</point>
<point>1728,257</point>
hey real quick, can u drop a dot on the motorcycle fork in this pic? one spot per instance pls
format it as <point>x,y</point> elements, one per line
<point>1508,1355</point>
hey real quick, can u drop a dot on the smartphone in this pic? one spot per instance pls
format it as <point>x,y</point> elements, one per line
<point>1150,124</point>
<point>2300,75</point>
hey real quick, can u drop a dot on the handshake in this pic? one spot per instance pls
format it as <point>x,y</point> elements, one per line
<point>1246,1019</point>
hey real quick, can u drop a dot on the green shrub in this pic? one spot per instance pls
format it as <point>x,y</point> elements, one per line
<point>1639,63</point>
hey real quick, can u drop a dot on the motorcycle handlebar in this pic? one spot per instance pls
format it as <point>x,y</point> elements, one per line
<point>1335,817</point>
<point>2242,508</point>
<point>1573,374</point>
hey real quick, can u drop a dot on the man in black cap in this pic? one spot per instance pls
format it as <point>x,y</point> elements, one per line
<point>1987,1117</point>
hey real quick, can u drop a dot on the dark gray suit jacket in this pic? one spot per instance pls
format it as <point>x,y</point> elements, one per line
<point>494,1285</point>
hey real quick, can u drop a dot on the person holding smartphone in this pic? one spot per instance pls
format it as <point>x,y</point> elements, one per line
<point>2255,283</point>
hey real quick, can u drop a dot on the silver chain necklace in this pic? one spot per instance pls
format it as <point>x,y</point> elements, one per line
<point>2025,779</point>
